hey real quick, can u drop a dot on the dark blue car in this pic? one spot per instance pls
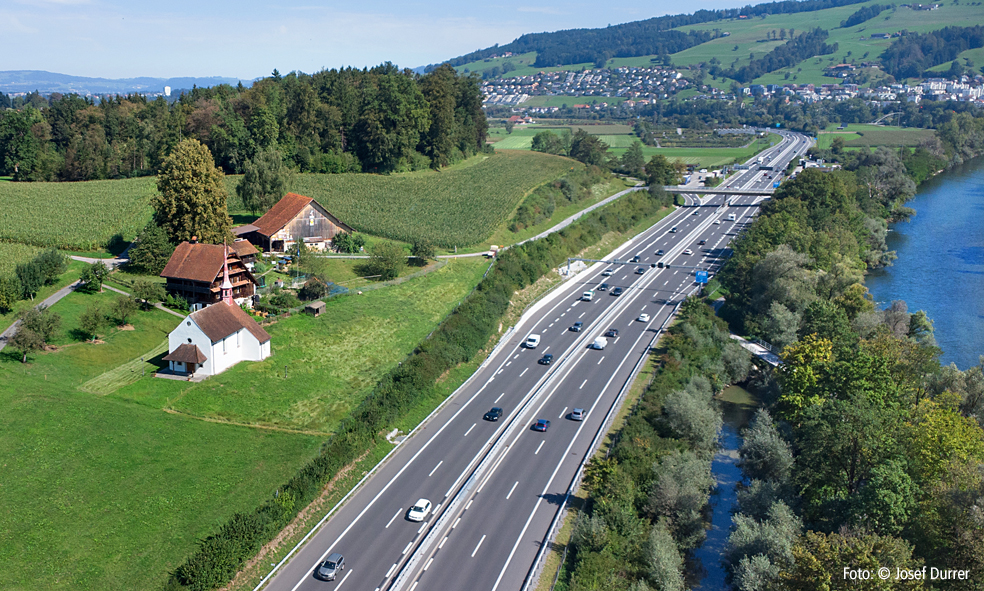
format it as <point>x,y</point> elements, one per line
<point>541,425</point>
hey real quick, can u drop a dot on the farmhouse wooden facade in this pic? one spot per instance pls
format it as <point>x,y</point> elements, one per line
<point>293,217</point>
<point>194,272</point>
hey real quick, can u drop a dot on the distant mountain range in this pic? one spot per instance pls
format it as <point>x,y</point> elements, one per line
<point>16,81</point>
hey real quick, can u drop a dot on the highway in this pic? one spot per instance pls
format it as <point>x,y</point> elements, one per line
<point>496,487</point>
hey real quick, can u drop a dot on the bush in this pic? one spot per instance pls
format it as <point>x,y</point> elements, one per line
<point>313,289</point>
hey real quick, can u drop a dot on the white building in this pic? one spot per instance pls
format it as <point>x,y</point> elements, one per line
<point>215,338</point>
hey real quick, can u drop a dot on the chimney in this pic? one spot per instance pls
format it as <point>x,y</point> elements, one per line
<point>194,239</point>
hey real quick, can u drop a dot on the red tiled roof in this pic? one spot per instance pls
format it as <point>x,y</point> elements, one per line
<point>221,320</point>
<point>187,353</point>
<point>282,212</point>
<point>197,262</point>
<point>243,248</point>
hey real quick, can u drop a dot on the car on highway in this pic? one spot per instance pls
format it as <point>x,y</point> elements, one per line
<point>640,270</point>
<point>599,343</point>
<point>702,242</point>
<point>695,212</point>
<point>617,291</point>
<point>612,332</point>
<point>532,341</point>
<point>547,359</point>
<point>659,252</point>
<point>541,425</point>
<point>635,259</point>
<point>673,230</point>
<point>687,251</point>
<point>603,287</point>
<point>576,327</point>
<point>578,414</point>
<point>643,318</point>
<point>329,569</point>
<point>608,272</point>
<point>493,415</point>
<point>420,510</point>
<point>717,222</point>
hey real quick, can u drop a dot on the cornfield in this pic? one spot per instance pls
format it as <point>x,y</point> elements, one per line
<point>74,216</point>
<point>454,207</point>
<point>12,255</point>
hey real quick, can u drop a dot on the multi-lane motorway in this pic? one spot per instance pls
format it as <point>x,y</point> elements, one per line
<point>497,486</point>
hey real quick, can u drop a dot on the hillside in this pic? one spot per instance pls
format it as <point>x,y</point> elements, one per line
<point>734,41</point>
<point>48,82</point>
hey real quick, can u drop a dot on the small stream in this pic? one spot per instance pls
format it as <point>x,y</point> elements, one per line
<point>737,405</point>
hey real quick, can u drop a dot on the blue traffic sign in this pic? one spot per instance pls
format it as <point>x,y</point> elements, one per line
<point>702,277</point>
<point>775,185</point>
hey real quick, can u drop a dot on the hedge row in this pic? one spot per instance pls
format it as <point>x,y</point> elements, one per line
<point>457,339</point>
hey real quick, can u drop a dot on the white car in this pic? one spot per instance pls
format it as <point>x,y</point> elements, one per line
<point>717,222</point>
<point>607,272</point>
<point>688,251</point>
<point>643,318</point>
<point>420,510</point>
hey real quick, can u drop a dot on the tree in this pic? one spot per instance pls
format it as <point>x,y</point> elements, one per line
<point>819,561</point>
<point>773,537</point>
<point>42,321</point>
<point>422,251</point>
<point>551,143</point>
<point>90,320</point>
<point>30,277</point>
<point>192,199</point>
<point>26,341</point>
<point>764,453</point>
<point>52,264</point>
<point>10,292</point>
<point>123,308</point>
<point>312,289</point>
<point>588,148</point>
<point>152,251</point>
<point>148,291</point>
<point>387,261</point>
<point>663,560</point>
<point>632,161</point>
<point>509,127</point>
<point>781,325</point>
<point>680,491</point>
<point>93,276</point>
<point>348,243</point>
<point>661,172</point>
<point>264,181</point>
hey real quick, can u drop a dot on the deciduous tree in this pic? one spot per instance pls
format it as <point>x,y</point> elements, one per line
<point>264,181</point>
<point>192,199</point>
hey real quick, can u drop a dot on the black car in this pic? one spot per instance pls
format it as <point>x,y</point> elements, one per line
<point>493,415</point>
<point>612,332</point>
<point>635,259</point>
<point>659,252</point>
<point>640,270</point>
<point>546,359</point>
<point>703,242</point>
<point>577,326</point>
<point>617,291</point>
<point>603,287</point>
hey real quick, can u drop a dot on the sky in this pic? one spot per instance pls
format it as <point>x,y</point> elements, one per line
<point>246,39</point>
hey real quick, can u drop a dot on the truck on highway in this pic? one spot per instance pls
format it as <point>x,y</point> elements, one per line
<point>587,296</point>
<point>599,343</point>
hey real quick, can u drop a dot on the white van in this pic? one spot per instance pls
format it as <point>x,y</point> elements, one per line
<point>532,341</point>
<point>587,296</point>
<point>731,217</point>
<point>599,343</point>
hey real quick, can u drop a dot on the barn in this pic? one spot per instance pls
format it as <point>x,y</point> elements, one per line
<point>293,217</point>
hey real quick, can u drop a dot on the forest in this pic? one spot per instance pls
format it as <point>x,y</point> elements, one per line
<point>373,120</point>
<point>911,55</point>
<point>863,14</point>
<point>649,37</point>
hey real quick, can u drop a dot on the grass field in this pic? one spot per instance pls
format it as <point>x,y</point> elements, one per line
<point>103,494</point>
<point>74,216</point>
<point>458,206</point>
<point>12,254</point>
<point>864,135</point>
<point>333,361</point>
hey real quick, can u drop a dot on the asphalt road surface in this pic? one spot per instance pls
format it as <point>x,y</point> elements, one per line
<point>497,486</point>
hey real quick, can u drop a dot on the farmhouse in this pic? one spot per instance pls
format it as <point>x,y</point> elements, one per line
<point>293,217</point>
<point>217,337</point>
<point>194,272</point>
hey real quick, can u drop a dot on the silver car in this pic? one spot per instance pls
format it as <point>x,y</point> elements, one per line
<point>577,414</point>
<point>330,568</point>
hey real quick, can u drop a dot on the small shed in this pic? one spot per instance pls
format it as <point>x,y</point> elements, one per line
<point>314,308</point>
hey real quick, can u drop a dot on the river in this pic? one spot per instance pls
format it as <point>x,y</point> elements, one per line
<point>940,265</point>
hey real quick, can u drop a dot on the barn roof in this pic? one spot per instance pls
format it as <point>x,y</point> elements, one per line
<point>243,248</point>
<point>221,320</point>
<point>198,262</point>
<point>187,353</point>
<point>287,209</point>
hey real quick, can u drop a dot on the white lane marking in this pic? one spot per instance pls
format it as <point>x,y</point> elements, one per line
<point>551,324</point>
<point>582,384</point>
<point>477,547</point>
<point>347,575</point>
<point>539,446</point>
<point>407,549</point>
<point>562,413</point>
<point>390,571</point>
<point>665,282</point>
<point>574,304</point>
<point>456,521</point>
<point>600,360</point>
<point>547,349</point>
<point>422,526</point>
<point>469,504</point>
<point>564,314</point>
<point>582,314</point>
<point>435,468</point>
<point>498,372</point>
<point>644,307</point>
<point>441,545</point>
<point>524,372</point>
<point>414,586</point>
<point>395,515</point>
<point>517,356</point>
<point>436,509</point>
<point>511,490</point>
<point>469,429</point>
<point>509,363</point>
<point>429,561</point>
<point>500,396</point>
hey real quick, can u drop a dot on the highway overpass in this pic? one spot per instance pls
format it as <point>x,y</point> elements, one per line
<point>766,191</point>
